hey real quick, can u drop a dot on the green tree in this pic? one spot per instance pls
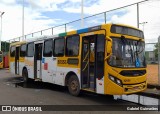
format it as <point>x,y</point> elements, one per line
<point>5,46</point>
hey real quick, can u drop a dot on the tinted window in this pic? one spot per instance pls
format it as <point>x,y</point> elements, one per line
<point>1,58</point>
<point>30,50</point>
<point>47,52</point>
<point>12,51</point>
<point>23,50</point>
<point>100,55</point>
<point>126,31</point>
<point>59,47</point>
<point>72,46</point>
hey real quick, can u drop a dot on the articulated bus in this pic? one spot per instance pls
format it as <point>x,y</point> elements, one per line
<point>17,57</point>
<point>106,59</point>
<point>1,59</point>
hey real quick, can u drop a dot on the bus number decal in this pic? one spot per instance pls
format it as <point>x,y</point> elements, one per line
<point>62,61</point>
<point>73,61</point>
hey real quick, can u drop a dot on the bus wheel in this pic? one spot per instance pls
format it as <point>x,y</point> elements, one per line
<point>73,86</point>
<point>25,75</point>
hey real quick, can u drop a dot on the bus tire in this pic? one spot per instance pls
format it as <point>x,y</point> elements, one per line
<point>73,85</point>
<point>25,75</point>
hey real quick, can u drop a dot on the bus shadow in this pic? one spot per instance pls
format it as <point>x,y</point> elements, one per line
<point>18,82</point>
<point>102,99</point>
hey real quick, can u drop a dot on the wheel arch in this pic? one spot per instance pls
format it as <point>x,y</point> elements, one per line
<point>24,69</point>
<point>68,75</point>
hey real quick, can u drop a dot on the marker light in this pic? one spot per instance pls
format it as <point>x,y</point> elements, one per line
<point>112,78</point>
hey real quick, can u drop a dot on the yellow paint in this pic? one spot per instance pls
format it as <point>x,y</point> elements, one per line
<point>120,90</point>
<point>21,59</point>
<point>71,32</point>
<point>109,86</point>
<point>12,59</point>
<point>1,64</point>
<point>78,71</point>
<point>89,90</point>
<point>17,43</point>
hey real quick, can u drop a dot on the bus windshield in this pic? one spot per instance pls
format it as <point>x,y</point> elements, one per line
<point>127,53</point>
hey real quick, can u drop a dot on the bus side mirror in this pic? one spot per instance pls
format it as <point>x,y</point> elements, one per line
<point>108,47</point>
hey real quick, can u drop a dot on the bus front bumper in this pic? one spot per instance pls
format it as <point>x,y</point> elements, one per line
<point>114,89</point>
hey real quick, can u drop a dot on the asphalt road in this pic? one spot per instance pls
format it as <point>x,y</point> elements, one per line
<point>15,92</point>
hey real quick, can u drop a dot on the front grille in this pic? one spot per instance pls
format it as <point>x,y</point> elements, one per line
<point>136,88</point>
<point>132,72</point>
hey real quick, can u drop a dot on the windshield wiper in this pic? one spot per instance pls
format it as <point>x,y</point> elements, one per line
<point>140,46</point>
<point>136,44</point>
<point>131,50</point>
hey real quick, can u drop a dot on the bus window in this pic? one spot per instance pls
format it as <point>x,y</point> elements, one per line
<point>100,55</point>
<point>72,46</point>
<point>30,50</point>
<point>58,47</point>
<point>47,52</point>
<point>23,50</point>
<point>1,58</point>
<point>12,52</point>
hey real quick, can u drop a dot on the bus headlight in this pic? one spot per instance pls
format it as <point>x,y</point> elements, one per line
<point>115,80</point>
<point>112,78</point>
<point>118,82</point>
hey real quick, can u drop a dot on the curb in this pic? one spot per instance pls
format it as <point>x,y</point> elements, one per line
<point>152,95</point>
<point>153,86</point>
<point>153,91</point>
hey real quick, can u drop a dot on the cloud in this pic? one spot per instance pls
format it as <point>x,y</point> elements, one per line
<point>9,2</point>
<point>42,5</point>
<point>94,6</point>
<point>149,12</point>
<point>38,15</point>
<point>34,20</point>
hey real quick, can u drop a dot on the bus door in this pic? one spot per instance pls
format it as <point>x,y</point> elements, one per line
<point>92,66</point>
<point>49,63</point>
<point>88,64</point>
<point>17,60</point>
<point>38,61</point>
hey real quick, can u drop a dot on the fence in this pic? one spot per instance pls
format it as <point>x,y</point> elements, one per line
<point>159,60</point>
<point>150,53</point>
<point>132,14</point>
<point>133,10</point>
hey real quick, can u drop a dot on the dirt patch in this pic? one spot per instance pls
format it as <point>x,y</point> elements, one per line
<point>152,74</point>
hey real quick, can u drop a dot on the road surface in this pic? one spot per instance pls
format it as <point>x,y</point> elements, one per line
<point>15,92</point>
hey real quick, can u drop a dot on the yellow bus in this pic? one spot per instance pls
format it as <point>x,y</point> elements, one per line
<point>106,59</point>
<point>1,59</point>
<point>17,56</point>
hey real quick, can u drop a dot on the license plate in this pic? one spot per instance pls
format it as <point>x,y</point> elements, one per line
<point>137,87</point>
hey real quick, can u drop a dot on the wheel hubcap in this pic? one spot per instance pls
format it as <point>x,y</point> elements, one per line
<point>74,85</point>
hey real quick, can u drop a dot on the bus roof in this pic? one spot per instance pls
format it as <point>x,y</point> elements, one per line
<point>17,43</point>
<point>76,32</point>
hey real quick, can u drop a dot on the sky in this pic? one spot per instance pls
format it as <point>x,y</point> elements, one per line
<point>43,14</point>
